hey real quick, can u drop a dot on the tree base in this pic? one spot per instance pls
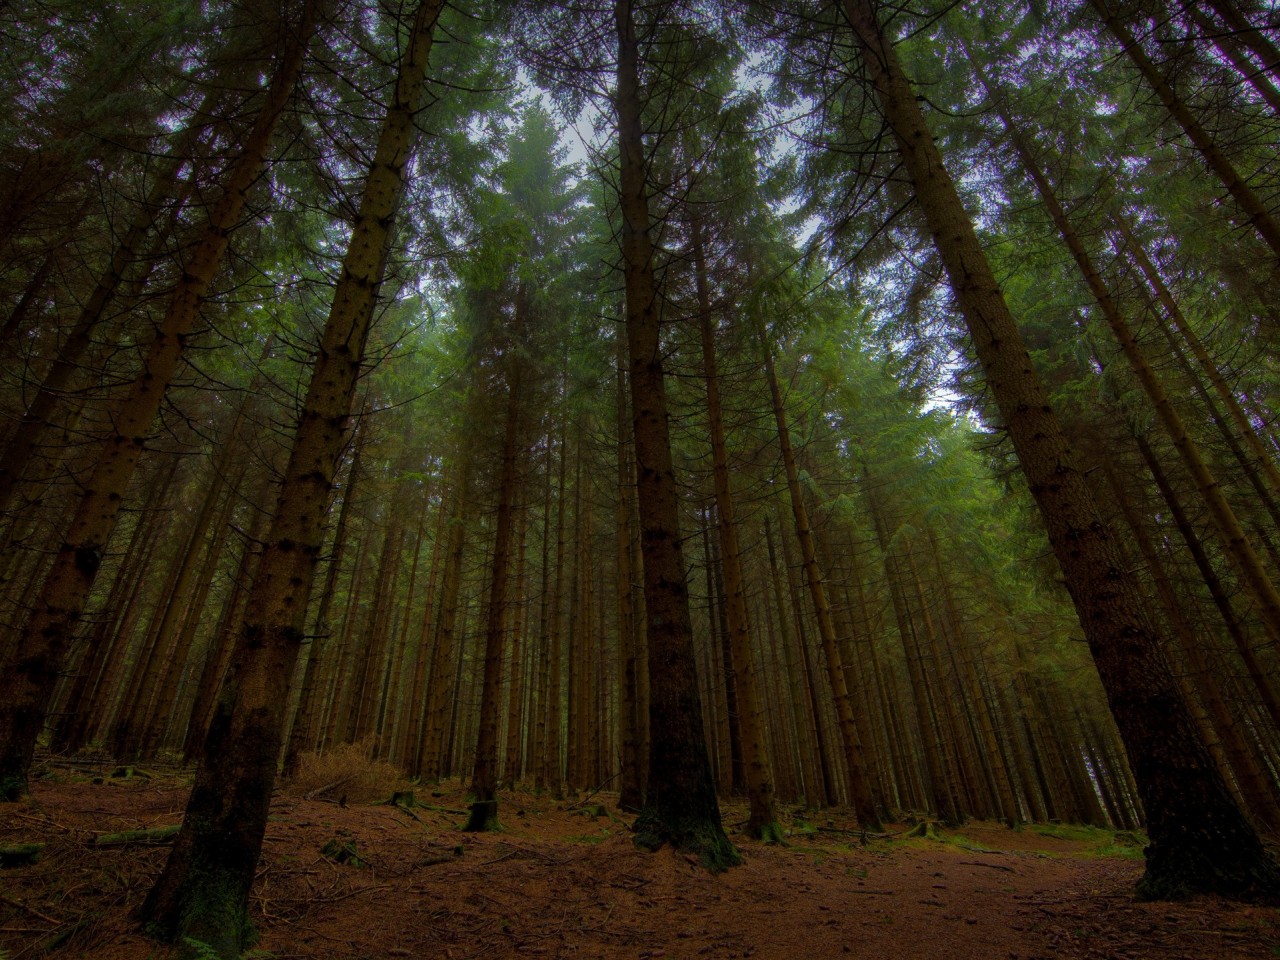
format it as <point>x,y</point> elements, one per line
<point>484,817</point>
<point>13,787</point>
<point>1251,876</point>
<point>211,922</point>
<point>703,837</point>
<point>770,833</point>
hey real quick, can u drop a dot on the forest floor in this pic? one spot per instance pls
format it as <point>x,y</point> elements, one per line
<point>564,880</point>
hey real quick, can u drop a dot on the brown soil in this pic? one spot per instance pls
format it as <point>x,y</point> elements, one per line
<point>564,881</point>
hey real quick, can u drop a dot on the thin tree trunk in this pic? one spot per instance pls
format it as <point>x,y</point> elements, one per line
<point>863,804</point>
<point>484,776</point>
<point>1234,539</point>
<point>762,821</point>
<point>1263,685</point>
<point>1250,204</point>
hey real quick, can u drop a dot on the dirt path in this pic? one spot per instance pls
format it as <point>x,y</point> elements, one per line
<point>563,882</point>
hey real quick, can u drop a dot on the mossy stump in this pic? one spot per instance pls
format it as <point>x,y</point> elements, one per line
<point>768,833</point>
<point>20,854</point>
<point>927,829</point>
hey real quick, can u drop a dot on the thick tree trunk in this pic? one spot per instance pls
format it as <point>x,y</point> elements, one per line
<point>1232,750</point>
<point>630,788</point>
<point>680,802</point>
<point>202,895</point>
<point>1200,841</point>
<point>302,734</point>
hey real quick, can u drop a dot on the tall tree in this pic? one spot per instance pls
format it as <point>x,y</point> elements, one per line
<point>1200,841</point>
<point>29,677</point>
<point>680,805</point>
<point>202,895</point>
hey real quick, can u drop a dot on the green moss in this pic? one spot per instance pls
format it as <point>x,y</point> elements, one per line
<point>1124,844</point>
<point>591,837</point>
<point>214,921</point>
<point>770,833</point>
<point>343,851</point>
<point>484,817</point>
<point>13,787</point>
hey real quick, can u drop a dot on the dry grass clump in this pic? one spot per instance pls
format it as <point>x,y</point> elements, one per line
<point>345,771</point>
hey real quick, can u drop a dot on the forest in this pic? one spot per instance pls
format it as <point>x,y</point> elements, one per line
<point>752,423</point>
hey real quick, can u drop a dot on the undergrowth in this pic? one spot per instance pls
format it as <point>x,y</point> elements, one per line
<point>346,771</point>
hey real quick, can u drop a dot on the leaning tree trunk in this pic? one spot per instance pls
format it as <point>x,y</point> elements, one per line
<point>1250,204</point>
<point>203,893</point>
<point>29,677</point>
<point>1200,840</point>
<point>680,803</point>
<point>1234,540</point>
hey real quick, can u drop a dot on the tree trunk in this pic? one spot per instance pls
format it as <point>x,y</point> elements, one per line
<point>630,788</point>
<point>762,821</point>
<point>1234,540</point>
<point>1250,204</point>
<point>863,804</point>
<point>1200,841</point>
<point>302,734</point>
<point>680,802</point>
<point>202,895</point>
<point>484,775</point>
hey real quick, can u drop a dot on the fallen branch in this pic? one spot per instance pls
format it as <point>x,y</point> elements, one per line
<point>991,866</point>
<point>326,788</point>
<point>31,910</point>
<point>594,790</point>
